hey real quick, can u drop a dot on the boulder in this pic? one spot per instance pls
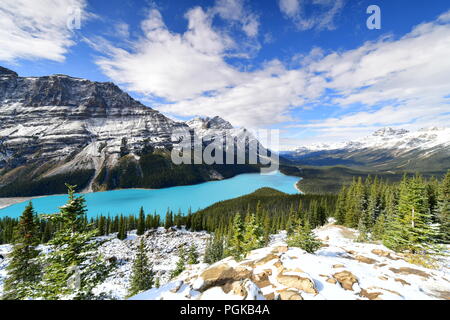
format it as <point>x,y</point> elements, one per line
<point>369,295</point>
<point>331,280</point>
<point>262,279</point>
<point>282,249</point>
<point>365,260</point>
<point>289,295</point>
<point>297,282</point>
<point>410,271</point>
<point>218,275</point>
<point>383,253</point>
<point>336,266</point>
<point>269,296</point>
<point>346,279</point>
<point>266,259</point>
<point>403,282</point>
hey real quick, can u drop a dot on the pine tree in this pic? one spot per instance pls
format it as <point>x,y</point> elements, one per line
<point>444,208</point>
<point>363,229</point>
<point>122,231</point>
<point>142,273</point>
<point>235,241</point>
<point>141,222</point>
<point>181,264</point>
<point>251,238</point>
<point>47,233</point>
<point>73,267</point>
<point>169,219</point>
<point>24,269</point>
<point>304,238</point>
<point>101,226</point>
<point>411,227</point>
<point>214,250</point>
<point>267,229</point>
<point>192,257</point>
<point>340,207</point>
<point>378,229</point>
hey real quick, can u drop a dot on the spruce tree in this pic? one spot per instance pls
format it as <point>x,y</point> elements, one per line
<point>47,233</point>
<point>142,273</point>
<point>340,207</point>
<point>363,229</point>
<point>251,238</point>
<point>24,271</point>
<point>267,229</point>
<point>122,231</point>
<point>235,241</point>
<point>411,227</point>
<point>214,250</point>
<point>141,222</point>
<point>303,237</point>
<point>444,208</point>
<point>168,222</point>
<point>378,229</point>
<point>73,267</point>
<point>181,264</point>
<point>192,257</point>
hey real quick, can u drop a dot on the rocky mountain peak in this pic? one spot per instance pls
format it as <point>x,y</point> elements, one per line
<point>7,72</point>
<point>390,132</point>
<point>209,123</point>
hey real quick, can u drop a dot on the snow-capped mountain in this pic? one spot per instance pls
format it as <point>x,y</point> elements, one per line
<point>57,127</point>
<point>216,123</point>
<point>426,149</point>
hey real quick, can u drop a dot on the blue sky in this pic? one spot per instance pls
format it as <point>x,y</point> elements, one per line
<point>310,68</point>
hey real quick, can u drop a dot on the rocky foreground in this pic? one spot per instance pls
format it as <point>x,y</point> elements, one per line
<point>342,269</point>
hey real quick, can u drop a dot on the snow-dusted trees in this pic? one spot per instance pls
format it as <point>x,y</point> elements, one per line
<point>244,236</point>
<point>73,266</point>
<point>24,270</point>
<point>142,273</point>
<point>444,208</point>
<point>411,228</point>
<point>141,222</point>
<point>302,237</point>
<point>192,255</point>
<point>214,250</point>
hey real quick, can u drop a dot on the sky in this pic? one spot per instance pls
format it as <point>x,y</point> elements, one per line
<point>310,68</point>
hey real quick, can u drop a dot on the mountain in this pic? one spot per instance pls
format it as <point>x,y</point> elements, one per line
<point>425,150</point>
<point>57,129</point>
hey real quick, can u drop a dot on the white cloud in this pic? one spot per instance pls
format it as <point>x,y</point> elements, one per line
<point>394,82</point>
<point>37,29</point>
<point>169,65</point>
<point>234,10</point>
<point>291,8</point>
<point>321,18</point>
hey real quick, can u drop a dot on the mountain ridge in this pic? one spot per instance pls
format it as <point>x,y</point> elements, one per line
<point>56,128</point>
<point>424,150</point>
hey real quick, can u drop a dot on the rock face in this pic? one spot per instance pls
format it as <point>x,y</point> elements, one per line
<point>60,125</point>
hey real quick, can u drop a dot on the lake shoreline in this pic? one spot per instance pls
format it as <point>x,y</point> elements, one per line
<point>123,201</point>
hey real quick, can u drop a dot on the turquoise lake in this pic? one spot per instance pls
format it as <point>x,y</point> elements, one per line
<point>196,197</point>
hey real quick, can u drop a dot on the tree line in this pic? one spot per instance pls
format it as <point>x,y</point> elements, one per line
<point>410,216</point>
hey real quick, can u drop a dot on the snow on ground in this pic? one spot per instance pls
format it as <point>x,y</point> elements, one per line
<point>163,247</point>
<point>4,250</point>
<point>341,270</point>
